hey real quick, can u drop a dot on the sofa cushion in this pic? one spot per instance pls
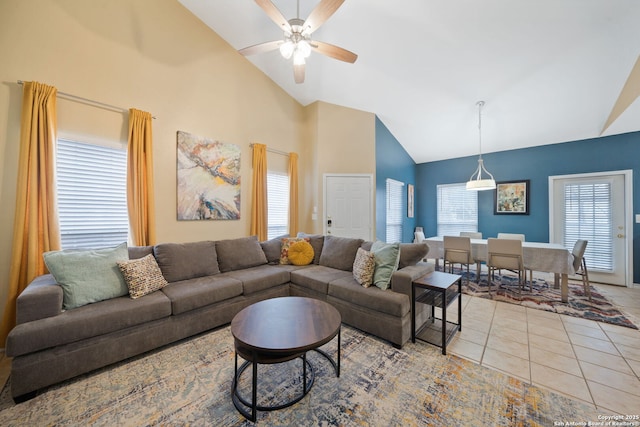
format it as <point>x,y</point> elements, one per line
<point>316,241</point>
<point>142,275</point>
<point>88,275</point>
<point>259,278</point>
<point>339,252</point>
<point>136,252</point>
<point>272,248</point>
<point>183,261</point>
<point>363,267</point>
<point>373,298</point>
<point>317,277</point>
<point>236,254</point>
<point>412,253</point>
<point>85,322</point>
<point>301,253</point>
<point>187,295</point>
<point>387,256</point>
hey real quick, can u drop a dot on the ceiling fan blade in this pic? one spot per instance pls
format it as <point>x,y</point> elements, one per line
<point>320,14</point>
<point>276,16</point>
<point>261,48</point>
<point>298,73</point>
<point>334,51</point>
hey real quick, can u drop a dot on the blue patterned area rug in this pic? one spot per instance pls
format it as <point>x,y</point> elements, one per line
<point>543,296</point>
<point>189,383</point>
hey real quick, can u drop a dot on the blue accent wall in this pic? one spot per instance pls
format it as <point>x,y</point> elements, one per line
<point>611,153</point>
<point>392,161</point>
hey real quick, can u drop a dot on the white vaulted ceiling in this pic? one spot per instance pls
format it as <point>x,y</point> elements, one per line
<point>549,70</point>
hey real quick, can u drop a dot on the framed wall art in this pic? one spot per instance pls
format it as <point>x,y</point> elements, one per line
<point>208,178</point>
<point>410,201</point>
<point>511,198</point>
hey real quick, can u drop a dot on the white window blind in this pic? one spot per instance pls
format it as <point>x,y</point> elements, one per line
<point>588,216</point>
<point>92,195</point>
<point>457,209</point>
<point>395,211</point>
<point>277,204</point>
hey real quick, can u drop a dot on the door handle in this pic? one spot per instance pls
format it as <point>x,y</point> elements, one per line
<point>620,236</point>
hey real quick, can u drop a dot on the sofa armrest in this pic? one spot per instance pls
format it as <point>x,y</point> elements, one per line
<point>401,279</point>
<point>41,298</point>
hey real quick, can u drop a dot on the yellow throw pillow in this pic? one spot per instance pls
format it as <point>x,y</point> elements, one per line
<point>301,253</point>
<point>286,244</point>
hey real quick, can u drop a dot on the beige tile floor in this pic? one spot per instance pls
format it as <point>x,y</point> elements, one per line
<point>587,360</point>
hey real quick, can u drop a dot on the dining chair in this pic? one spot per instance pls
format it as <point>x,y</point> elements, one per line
<point>512,236</point>
<point>507,254</point>
<point>474,235</point>
<point>457,250</point>
<point>517,236</point>
<point>580,265</point>
<point>471,234</point>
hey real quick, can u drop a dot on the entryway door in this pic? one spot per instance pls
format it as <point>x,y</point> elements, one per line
<point>348,205</point>
<point>595,207</point>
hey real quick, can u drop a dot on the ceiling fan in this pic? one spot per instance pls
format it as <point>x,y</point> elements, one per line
<point>297,41</point>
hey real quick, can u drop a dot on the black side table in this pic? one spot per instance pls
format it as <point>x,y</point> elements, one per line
<point>436,289</point>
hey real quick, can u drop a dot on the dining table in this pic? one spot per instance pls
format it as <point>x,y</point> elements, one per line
<point>538,256</point>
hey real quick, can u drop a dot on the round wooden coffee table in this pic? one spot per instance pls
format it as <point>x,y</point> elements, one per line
<point>278,330</point>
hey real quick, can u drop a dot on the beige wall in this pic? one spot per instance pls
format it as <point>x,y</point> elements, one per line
<point>343,140</point>
<point>154,55</point>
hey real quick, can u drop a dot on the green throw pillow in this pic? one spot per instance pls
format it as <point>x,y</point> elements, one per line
<point>88,275</point>
<point>387,257</point>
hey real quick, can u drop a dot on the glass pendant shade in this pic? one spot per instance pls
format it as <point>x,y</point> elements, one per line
<point>286,49</point>
<point>298,58</point>
<point>303,47</point>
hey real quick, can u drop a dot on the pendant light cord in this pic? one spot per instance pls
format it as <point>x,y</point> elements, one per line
<point>480,104</point>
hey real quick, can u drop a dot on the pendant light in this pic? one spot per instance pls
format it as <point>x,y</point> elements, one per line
<point>477,182</point>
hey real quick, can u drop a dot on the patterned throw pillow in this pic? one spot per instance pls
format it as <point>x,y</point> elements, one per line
<point>301,253</point>
<point>364,267</point>
<point>286,244</point>
<point>142,276</point>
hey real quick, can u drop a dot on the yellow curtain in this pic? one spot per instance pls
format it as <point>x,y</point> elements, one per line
<point>259,192</point>
<point>35,227</point>
<point>293,194</point>
<point>140,196</point>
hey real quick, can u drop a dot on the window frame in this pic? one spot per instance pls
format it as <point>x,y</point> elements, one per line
<point>277,203</point>
<point>395,209</point>
<point>91,197</point>
<point>456,192</point>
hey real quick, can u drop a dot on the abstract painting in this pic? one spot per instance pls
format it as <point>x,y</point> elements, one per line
<point>208,179</point>
<point>511,198</point>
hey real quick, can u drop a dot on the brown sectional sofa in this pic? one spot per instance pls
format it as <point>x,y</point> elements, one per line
<point>209,282</point>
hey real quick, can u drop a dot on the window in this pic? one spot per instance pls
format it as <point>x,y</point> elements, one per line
<point>395,210</point>
<point>588,216</point>
<point>277,204</point>
<point>92,195</point>
<point>457,209</point>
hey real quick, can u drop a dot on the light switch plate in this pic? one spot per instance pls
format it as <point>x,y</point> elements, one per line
<point>638,218</point>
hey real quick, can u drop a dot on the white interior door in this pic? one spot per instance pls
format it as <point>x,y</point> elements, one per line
<point>348,205</point>
<point>595,207</point>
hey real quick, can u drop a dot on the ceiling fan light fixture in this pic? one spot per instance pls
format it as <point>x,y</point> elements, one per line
<point>297,41</point>
<point>304,48</point>
<point>286,49</point>
<point>298,58</point>
<point>476,181</point>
